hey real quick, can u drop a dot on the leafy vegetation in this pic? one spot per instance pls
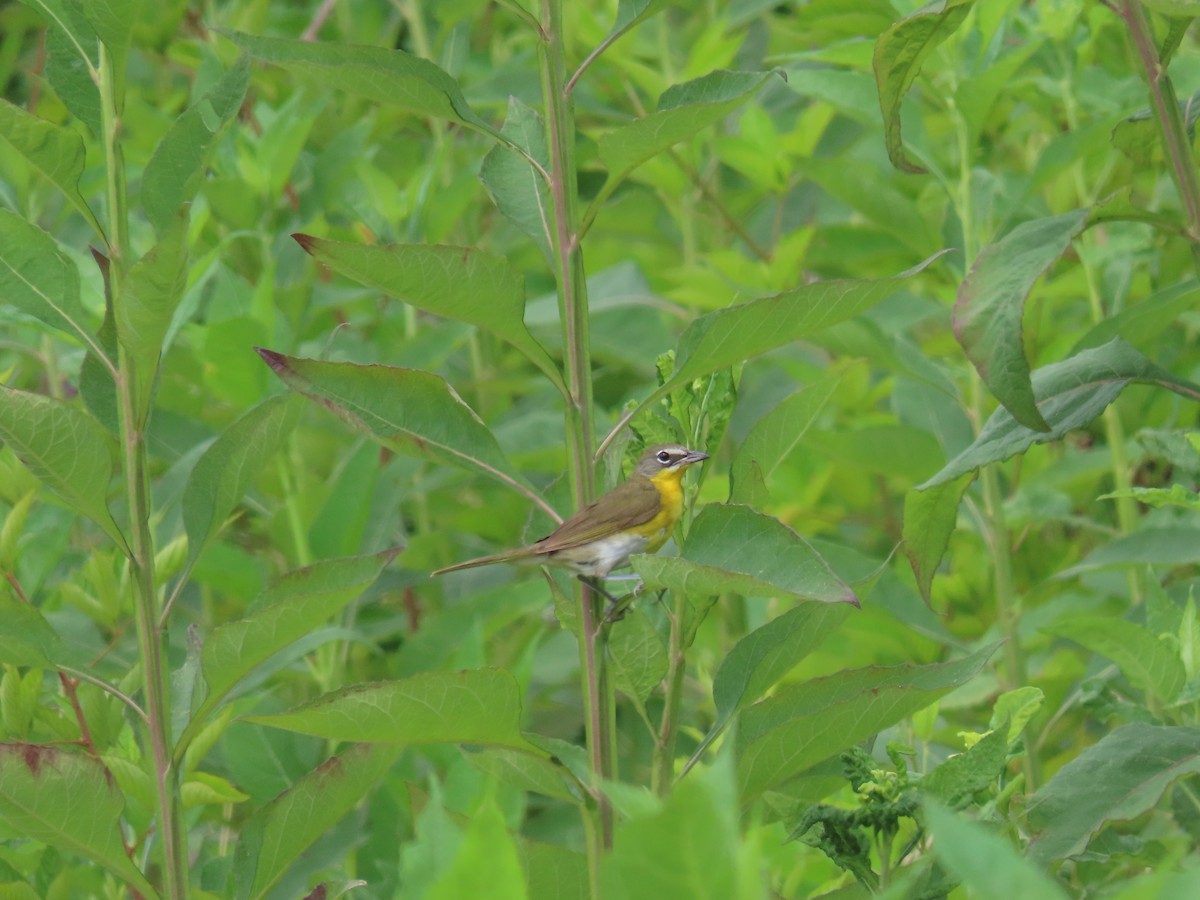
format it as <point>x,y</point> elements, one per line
<point>300,302</point>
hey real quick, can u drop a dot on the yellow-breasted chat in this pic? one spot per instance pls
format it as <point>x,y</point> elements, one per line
<point>636,516</point>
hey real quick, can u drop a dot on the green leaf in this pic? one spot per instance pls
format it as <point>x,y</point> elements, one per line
<point>1141,323</point>
<point>1179,8</point>
<point>631,12</point>
<point>959,778</point>
<point>1150,663</point>
<point>1175,495</point>
<point>148,297</point>
<point>456,282</point>
<point>899,54</point>
<point>68,801</point>
<point>930,515</point>
<point>775,436</point>
<point>688,848</point>
<point>114,21</point>
<point>1070,394</point>
<point>988,866</point>
<point>733,549</point>
<point>276,836</point>
<point>474,706</point>
<point>516,187</point>
<point>176,170</point>
<point>527,772</point>
<point>486,864</point>
<point>553,872</point>
<point>401,405</point>
<point>1167,545</point>
<point>26,638</point>
<point>991,301</point>
<point>638,656</point>
<point>65,448</point>
<point>229,466</point>
<point>69,18</point>
<point>391,77</point>
<point>683,110</point>
<point>71,78</point>
<point>97,376</point>
<point>1121,777</point>
<point>295,605</point>
<point>39,280</point>
<point>765,655</point>
<point>803,724</point>
<point>53,150</point>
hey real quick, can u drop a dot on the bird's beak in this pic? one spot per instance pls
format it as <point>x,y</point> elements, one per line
<point>695,456</point>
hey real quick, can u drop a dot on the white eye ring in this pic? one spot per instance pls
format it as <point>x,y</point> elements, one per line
<point>663,457</point>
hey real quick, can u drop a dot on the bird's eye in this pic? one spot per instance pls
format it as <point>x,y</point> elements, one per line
<point>663,457</point>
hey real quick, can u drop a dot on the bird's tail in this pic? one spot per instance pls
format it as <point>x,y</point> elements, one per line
<point>519,555</point>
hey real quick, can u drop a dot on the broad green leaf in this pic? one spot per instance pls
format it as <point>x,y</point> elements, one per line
<point>1150,663</point>
<point>456,282</point>
<point>70,74</point>
<point>55,151</point>
<point>516,187</point>
<point>1166,545</point>
<point>206,789</point>
<point>228,467</point>
<point>65,448</point>
<point>761,658</point>
<point>991,301</point>
<point>1070,394</point>
<point>176,170</point>
<point>398,406</point>
<point>26,638</point>
<point>776,435</point>
<point>486,864</point>
<point>1175,495</point>
<point>803,724</point>
<point>1141,323</point>
<point>930,515</point>
<point>69,19</point>
<point>1016,707</point>
<point>67,800</point>
<point>275,837</point>
<point>147,300</point>
<point>683,110</point>
<point>474,706</point>
<point>899,54</point>
<point>638,656</point>
<point>553,872</point>
<point>528,772</point>
<point>114,21</point>
<point>1118,778</point>
<point>392,77</point>
<point>39,280</point>
<point>1180,8</point>
<point>988,866</point>
<point>733,549</point>
<point>298,603</point>
<point>957,780</point>
<point>886,449</point>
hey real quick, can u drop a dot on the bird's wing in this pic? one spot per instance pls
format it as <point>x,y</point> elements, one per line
<point>628,505</point>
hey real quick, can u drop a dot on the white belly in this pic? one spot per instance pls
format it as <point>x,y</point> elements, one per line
<point>600,557</point>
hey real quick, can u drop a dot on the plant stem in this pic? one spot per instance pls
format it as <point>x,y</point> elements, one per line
<point>662,773</point>
<point>573,312</point>
<point>137,489</point>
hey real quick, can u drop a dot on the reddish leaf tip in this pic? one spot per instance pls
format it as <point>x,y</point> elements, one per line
<point>277,361</point>
<point>306,241</point>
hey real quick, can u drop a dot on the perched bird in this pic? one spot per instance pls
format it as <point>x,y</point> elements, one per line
<point>637,516</point>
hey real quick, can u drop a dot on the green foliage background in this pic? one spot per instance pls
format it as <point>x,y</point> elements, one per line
<point>915,277</point>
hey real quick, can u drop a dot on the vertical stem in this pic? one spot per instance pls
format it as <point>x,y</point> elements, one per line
<point>137,489</point>
<point>573,311</point>
<point>662,773</point>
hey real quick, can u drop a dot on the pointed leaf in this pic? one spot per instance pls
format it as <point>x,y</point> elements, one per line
<point>485,864</point>
<point>38,279</point>
<point>991,301</point>
<point>68,801</point>
<point>176,170</point>
<point>1121,777</point>
<point>475,706</point>
<point>456,282</point>
<point>1150,663</point>
<point>683,110</point>
<point>988,866</point>
<point>959,778</point>
<point>804,724</point>
<point>55,151</point>
<point>737,550</point>
<point>401,405</point>
<point>929,519</point>
<point>638,656</point>
<point>899,53</point>
<point>1070,394</point>
<point>516,187</point>
<point>386,76</point>
<point>65,448</point>
<point>528,772</point>
<point>275,836</point>
<point>229,466</point>
<point>1141,323</point>
<point>298,603</point>
<point>26,638</point>
<point>631,12</point>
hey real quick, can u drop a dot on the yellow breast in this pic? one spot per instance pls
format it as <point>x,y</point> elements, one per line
<point>670,492</point>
